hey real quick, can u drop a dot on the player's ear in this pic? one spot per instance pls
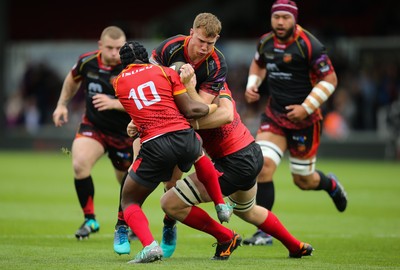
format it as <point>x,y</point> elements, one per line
<point>191,31</point>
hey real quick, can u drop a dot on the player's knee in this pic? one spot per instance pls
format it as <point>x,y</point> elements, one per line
<point>302,167</point>
<point>81,168</point>
<point>187,191</point>
<point>242,207</point>
<point>271,152</point>
<point>167,203</point>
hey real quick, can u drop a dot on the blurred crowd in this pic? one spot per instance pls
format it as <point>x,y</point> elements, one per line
<point>364,92</point>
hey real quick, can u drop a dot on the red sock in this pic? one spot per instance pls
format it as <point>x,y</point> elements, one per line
<point>274,227</point>
<point>137,221</point>
<point>207,174</point>
<point>120,215</point>
<point>89,207</point>
<point>200,220</point>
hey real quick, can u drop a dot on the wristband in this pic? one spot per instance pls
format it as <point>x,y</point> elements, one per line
<point>253,80</point>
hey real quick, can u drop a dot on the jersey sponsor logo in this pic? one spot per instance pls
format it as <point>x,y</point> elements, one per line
<point>87,133</point>
<point>92,75</point>
<point>129,73</point>
<point>323,67</point>
<point>122,155</point>
<point>269,56</point>
<point>287,58</point>
<point>212,64</point>
<point>274,72</point>
<point>272,67</point>
<point>301,142</point>
<point>265,127</point>
<point>104,71</point>
<point>174,48</point>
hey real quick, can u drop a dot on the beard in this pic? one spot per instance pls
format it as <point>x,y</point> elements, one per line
<point>287,34</point>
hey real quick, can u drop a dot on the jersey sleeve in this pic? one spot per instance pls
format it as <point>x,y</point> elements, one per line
<point>259,56</point>
<point>320,62</point>
<point>162,55</point>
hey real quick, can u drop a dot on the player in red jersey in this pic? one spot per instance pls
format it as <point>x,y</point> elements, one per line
<point>300,78</point>
<point>158,104</point>
<point>197,49</point>
<point>103,126</point>
<point>239,160</point>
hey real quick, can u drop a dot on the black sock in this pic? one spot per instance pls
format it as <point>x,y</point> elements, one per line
<point>325,183</point>
<point>265,195</point>
<point>120,220</point>
<point>169,222</point>
<point>85,190</point>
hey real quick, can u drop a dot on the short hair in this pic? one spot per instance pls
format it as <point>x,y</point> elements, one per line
<point>209,22</point>
<point>113,32</point>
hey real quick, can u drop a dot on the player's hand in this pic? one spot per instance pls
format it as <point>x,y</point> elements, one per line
<point>251,95</point>
<point>296,113</point>
<point>187,74</point>
<point>103,102</point>
<point>60,115</point>
<point>131,129</point>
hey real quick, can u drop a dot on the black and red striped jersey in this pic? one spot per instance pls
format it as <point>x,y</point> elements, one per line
<point>229,138</point>
<point>293,68</point>
<point>147,93</point>
<point>211,72</point>
<point>97,78</point>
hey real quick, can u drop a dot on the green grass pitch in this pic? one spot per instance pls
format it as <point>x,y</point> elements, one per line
<point>39,214</point>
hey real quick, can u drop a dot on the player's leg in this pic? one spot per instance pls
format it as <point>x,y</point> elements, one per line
<point>303,163</point>
<point>134,193</point>
<point>267,222</point>
<point>179,202</point>
<point>208,176</point>
<point>273,147</point>
<point>169,232</point>
<point>121,154</point>
<point>85,153</point>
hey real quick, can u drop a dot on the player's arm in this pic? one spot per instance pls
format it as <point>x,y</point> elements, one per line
<point>68,91</point>
<point>223,115</point>
<point>188,78</point>
<point>191,108</point>
<point>104,102</point>
<point>256,76</point>
<point>318,95</point>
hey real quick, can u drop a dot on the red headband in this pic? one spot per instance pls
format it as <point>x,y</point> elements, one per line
<point>285,5</point>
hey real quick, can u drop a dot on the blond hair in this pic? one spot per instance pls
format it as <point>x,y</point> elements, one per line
<point>209,22</point>
<point>113,32</point>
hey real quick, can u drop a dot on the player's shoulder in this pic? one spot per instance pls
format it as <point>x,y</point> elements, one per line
<point>89,55</point>
<point>266,37</point>
<point>174,42</point>
<point>307,35</point>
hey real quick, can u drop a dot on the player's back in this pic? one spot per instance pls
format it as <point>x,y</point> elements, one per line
<point>147,93</point>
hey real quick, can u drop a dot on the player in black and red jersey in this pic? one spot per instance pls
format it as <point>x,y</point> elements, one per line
<point>300,78</point>
<point>159,104</point>
<point>239,160</point>
<point>197,49</point>
<point>103,126</point>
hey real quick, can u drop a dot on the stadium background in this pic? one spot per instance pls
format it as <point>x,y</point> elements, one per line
<point>363,39</point>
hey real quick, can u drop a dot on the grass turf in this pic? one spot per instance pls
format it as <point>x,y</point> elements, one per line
<point>39,214</point>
